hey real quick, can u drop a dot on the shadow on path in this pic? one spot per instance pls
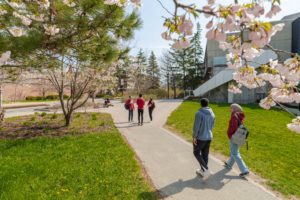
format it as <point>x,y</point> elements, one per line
<point>215,182</point>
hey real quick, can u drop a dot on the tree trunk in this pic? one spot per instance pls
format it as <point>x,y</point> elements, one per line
<point>168,83</point>
<point>1,96</point>
<point>67,119</point>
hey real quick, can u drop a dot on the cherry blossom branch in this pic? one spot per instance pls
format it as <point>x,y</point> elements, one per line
<point>162,5</point>
<point>189,8</point>
<point>280,51</point>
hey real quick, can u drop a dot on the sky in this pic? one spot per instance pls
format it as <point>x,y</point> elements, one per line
<point>149,36</point>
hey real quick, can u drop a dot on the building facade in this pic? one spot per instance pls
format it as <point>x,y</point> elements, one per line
<point>216,88</point>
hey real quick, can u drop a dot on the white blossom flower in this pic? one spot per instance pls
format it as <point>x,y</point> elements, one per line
<point>2,12</point>
<point>114,2</point>
<point>16,31</point>
<point>45,4</point>
<point>25,20</point>
<point>69,3</point>
<point>51,29</point>
<point>4,57</point>
<point>39,17</point>
<point>16,5</point>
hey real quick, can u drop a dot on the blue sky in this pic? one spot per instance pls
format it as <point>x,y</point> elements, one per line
<point>148,37</point>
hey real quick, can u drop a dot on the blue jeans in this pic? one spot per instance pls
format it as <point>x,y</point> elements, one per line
<point>235,156</point>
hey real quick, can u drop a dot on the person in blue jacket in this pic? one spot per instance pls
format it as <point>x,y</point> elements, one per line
<point>202,136</point>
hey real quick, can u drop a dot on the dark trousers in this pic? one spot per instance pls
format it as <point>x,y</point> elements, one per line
<point>141,115</point>
<point>150,113</point>
<point>201,151</point>
<point>130,115</point>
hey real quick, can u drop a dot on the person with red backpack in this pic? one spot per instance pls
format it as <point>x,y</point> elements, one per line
<point>151,106</point>
<point>129,105</point>
<point>140,102</point>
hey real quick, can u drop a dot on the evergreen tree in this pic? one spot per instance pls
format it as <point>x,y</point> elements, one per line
<point>197,71</point>
<point>140,71</point>
<point>153,73</point>
<point>183,60</point>
<point>189,62</point>
<point>141,60</point>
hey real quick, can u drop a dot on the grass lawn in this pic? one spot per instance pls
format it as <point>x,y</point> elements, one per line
<point>89,160</point>
<point>274,151</point>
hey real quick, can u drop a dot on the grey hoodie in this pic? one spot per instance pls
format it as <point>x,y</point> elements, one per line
<point>203,124</point>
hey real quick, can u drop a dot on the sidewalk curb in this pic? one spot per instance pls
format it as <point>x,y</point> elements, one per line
<point>23,106</point>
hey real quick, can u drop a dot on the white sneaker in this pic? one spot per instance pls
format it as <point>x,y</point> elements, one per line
<point>206,174</point>
<point>199,172</point>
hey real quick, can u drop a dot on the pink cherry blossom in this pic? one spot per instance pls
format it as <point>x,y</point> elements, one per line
<point>209,24</point>
<point>296,97</point>
<point>267,103</point>
<point>166,36</point>
<point>181,44</point>
<point>211,34</point>
<point>274,10</point>
<point>220,36</point>
<point>234,89</point>
<point>211,2</point>
<point>186,26</point>
<point>295,125</point>
<point>224,45</point>
<point>136,2</point>
<point>235,8</point>
<point>281,95</point>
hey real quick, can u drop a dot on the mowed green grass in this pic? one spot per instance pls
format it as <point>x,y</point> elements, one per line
<point>274,151</point>
<point>95,165</point>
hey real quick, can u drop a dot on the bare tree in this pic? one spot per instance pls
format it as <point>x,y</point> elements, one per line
<point>72,78</point>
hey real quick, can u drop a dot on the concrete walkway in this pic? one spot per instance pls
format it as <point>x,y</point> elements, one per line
<point>171,166</point>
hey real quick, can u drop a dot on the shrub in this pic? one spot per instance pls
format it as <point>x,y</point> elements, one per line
<point>94,116</point>
<point>48,97</point>
<point>43,114</point>
<point>26,123</point>
<point>54,116</point>
<point>159,93</point>
<point>77,115</point>
<point>32,118</point>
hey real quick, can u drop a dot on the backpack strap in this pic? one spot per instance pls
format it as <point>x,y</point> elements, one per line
<point>238,119</point>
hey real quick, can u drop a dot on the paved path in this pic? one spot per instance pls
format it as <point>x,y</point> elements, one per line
<point>170,164</point>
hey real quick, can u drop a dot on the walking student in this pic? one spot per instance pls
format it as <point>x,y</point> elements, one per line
<point>130,107</point>
<point>237,117</point>
<point>151,106</point>
<point>140,102</point>
<point>202,136</point>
